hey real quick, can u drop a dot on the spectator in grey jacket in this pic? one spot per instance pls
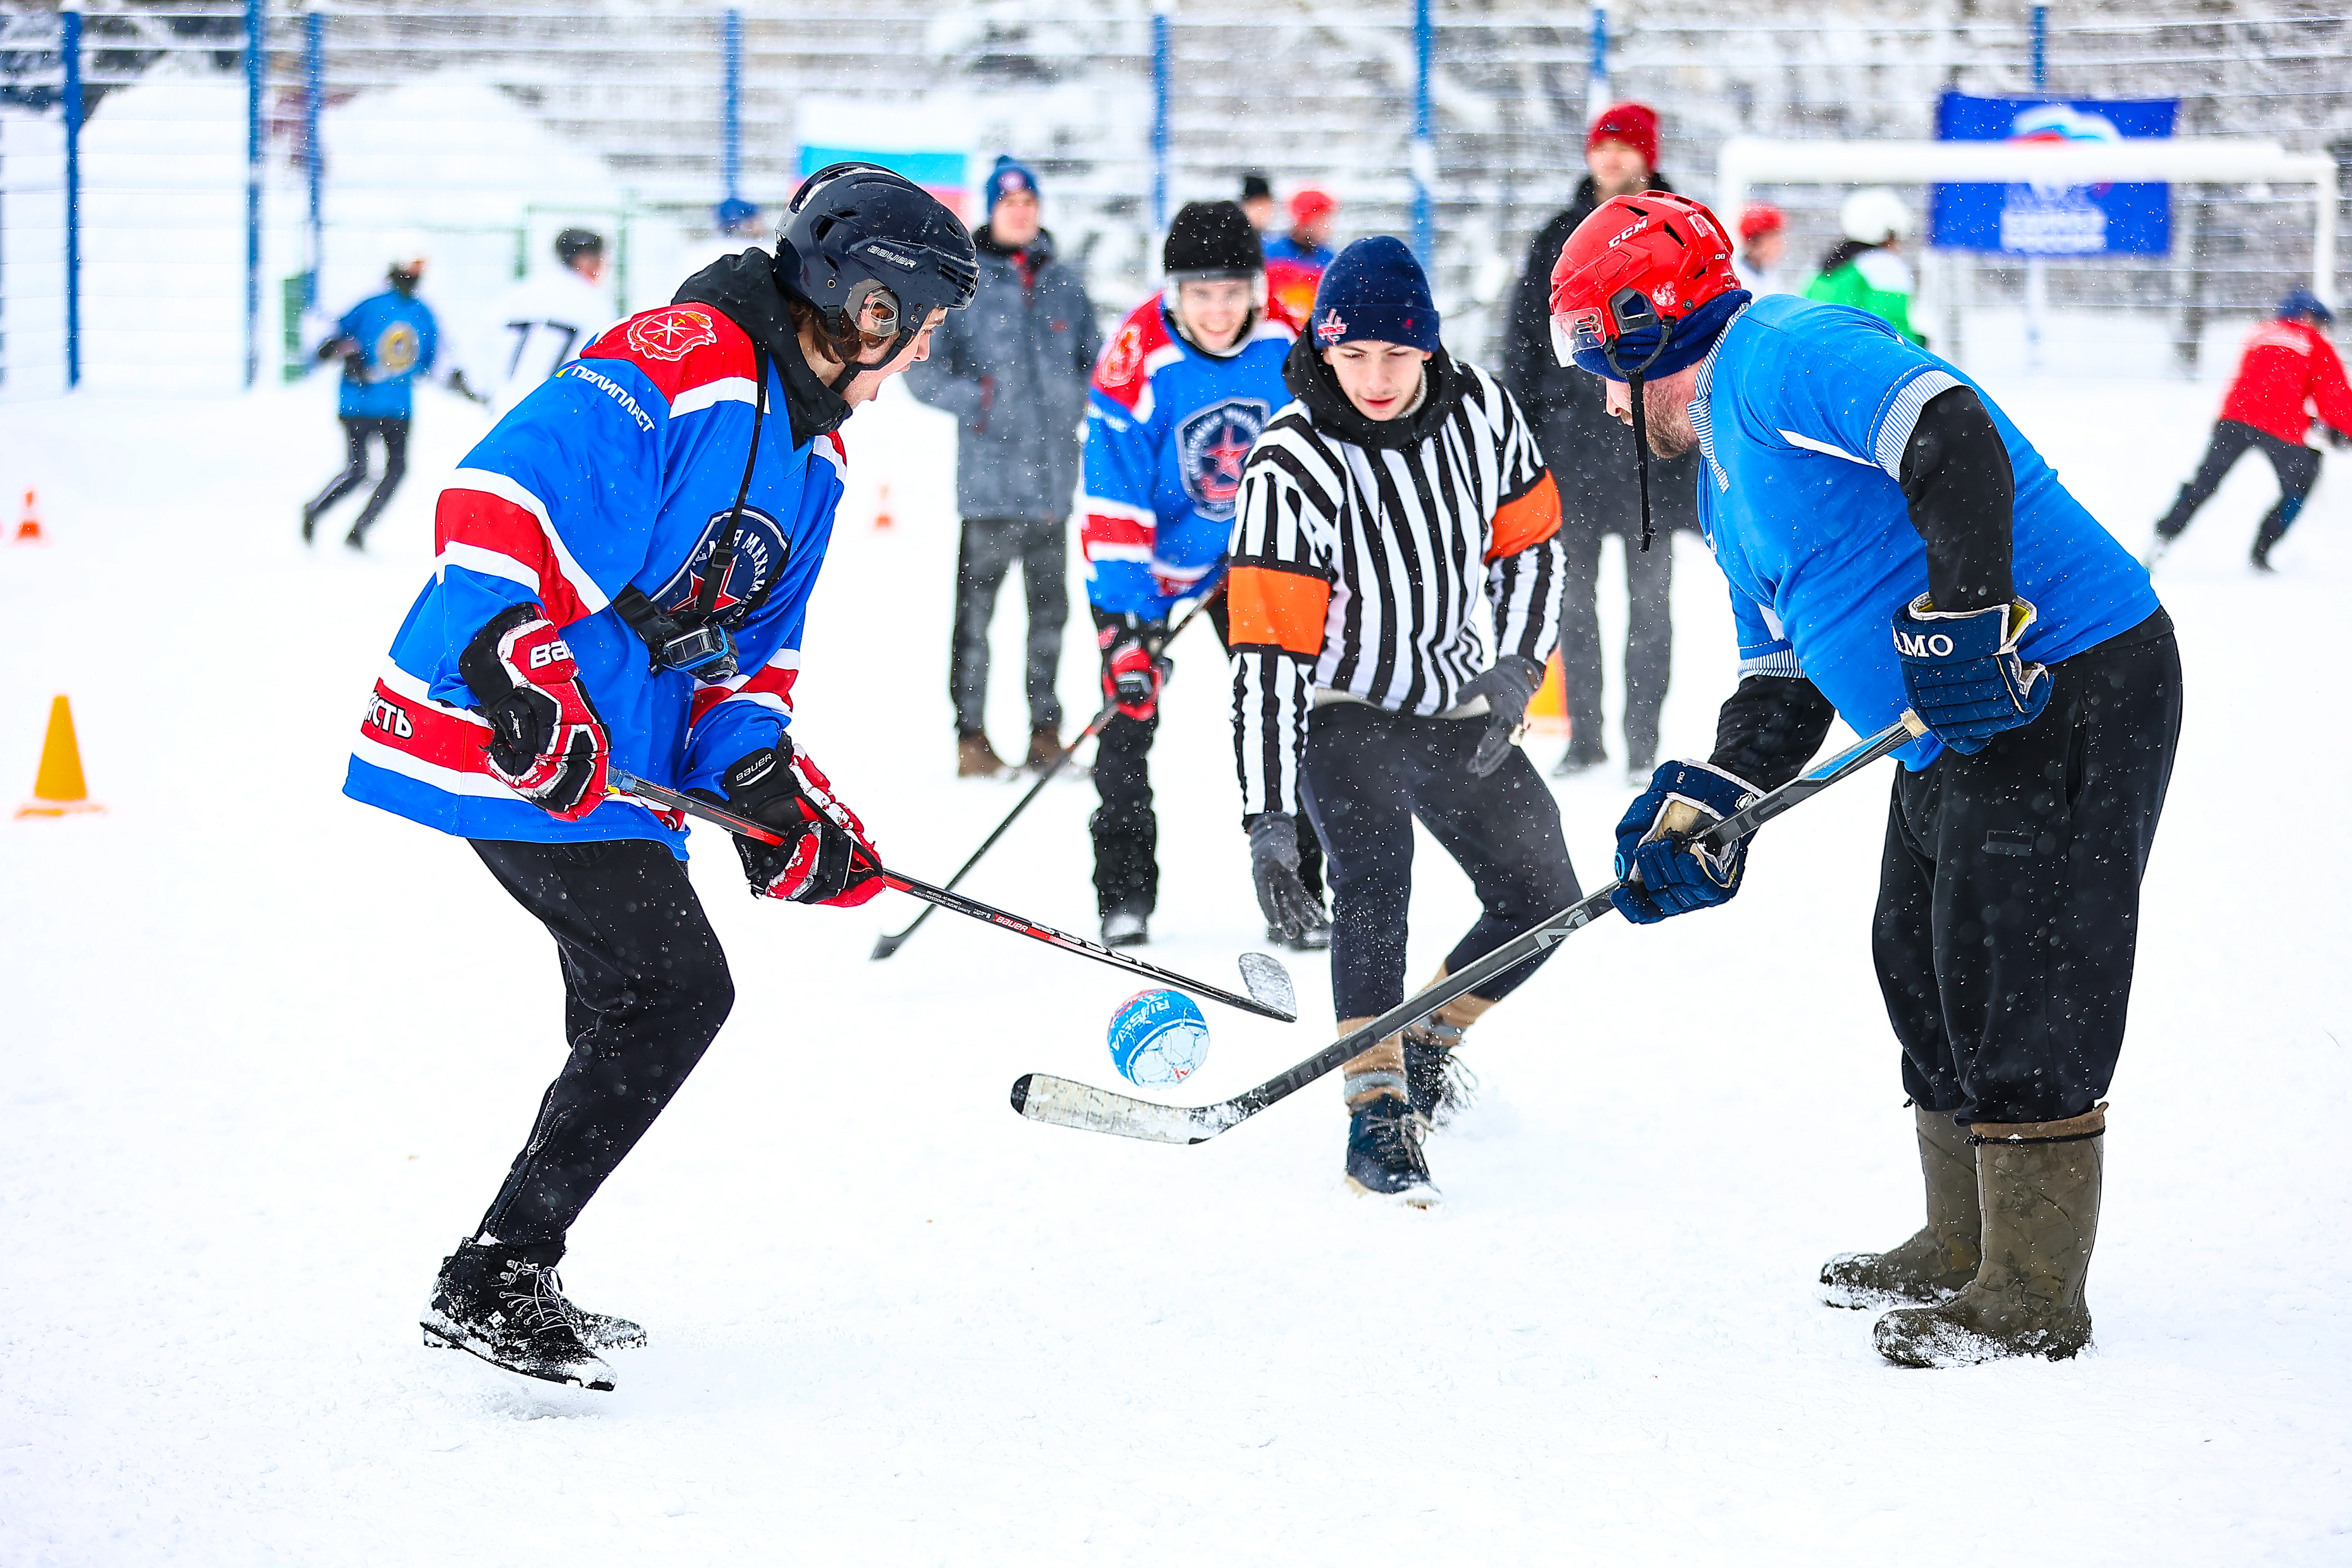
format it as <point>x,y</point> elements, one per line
<point>1012,369</point>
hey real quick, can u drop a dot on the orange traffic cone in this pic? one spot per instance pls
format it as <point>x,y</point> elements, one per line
<point>882,507</point>
<point>1548,709</point>
<point>57,788</point>
<point>28,532</point>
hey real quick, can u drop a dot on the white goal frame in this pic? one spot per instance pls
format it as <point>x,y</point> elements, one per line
<point>1747,161</point>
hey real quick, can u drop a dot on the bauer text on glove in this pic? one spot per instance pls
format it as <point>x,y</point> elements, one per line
<point>547,742</point>
<point>825,857</point>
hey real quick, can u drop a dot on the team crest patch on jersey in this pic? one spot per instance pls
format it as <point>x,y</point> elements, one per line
<point>397,350</point>
<point>672,335</point>
<point>761,551</point>
<point>1213,445</point>
<point>1125,358</point>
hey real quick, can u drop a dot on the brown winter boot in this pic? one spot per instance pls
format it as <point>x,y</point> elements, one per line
<point>2038,1184</point>
<point>1044,745</point>
<point>975,759</point>
<point>1937,1263</point>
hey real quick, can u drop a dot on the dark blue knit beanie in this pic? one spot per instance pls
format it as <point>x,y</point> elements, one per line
<point>1375,291</point>
<point>1010,174</point>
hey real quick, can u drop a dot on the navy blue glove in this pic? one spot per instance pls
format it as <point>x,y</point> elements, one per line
<point>1663,870</point>
<point>1963,674</point>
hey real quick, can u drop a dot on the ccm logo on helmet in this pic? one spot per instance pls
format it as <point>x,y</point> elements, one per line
<point>547,653</point>
<point>1639,225</point>
<point>1923,645</point>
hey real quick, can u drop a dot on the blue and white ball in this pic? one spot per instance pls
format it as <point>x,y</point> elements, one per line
<point>1158,1037</point>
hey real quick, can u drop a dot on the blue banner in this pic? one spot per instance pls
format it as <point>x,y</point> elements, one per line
<point>2027,219</point>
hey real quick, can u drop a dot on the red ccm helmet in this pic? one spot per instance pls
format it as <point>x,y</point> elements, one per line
<point>1641,290</point>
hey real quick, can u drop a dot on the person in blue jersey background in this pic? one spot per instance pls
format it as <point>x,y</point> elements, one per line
<point>1893,542</point>
<point>1188,380</point>
<point>623,580</point>
<point>385,342</point>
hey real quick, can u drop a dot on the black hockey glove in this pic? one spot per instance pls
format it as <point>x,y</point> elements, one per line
<point>825,857</point>
<point>1507,687</point>
<point>1289,908</point>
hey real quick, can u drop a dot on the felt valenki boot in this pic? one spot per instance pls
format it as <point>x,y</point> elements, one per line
<point>1938,1262</point>
<point>2038,1184</point>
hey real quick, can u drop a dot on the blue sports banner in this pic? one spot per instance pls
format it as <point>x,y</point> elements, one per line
<point>2027,219</point>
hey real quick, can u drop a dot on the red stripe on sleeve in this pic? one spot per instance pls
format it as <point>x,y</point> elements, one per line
<point>425,732</point>
<point>491,523</point>
<point>1098,530</point>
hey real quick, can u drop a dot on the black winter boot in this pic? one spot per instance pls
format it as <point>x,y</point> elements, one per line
<point>1384,1157</point>
<point>1939,1261</point>
<point>511,1312</point>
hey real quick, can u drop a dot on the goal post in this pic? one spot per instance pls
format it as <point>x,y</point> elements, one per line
<point>1747,161</point>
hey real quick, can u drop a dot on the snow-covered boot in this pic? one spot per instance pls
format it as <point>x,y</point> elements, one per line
<point>2038,1184</point>
<point>1435,1082</point>
<point>1313,937</point>
<point>1127,925</point>
<point>492,1301</point>
<point>1384,1157</point>
<point>1937,1263</point>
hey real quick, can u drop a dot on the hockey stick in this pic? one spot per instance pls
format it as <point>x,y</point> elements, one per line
<point>1271,994</point>
<point>889,942</point>
<point>1042,1097</point>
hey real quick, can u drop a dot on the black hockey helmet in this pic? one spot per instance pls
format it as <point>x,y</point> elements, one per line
<point>873,251</point>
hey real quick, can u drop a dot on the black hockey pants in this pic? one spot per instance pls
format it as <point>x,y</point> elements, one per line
<point>2009,892</point>
<point>990,546</point>
<point>394,433</point>
<point>645,990</point>
<point>1369,773</point>
<point>1649,640</point>
<point>2297,467</point>
<point>1126,829</point>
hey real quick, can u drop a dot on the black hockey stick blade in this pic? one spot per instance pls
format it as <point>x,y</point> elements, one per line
<point>1042,1097</point>
<point>1280,1002</point>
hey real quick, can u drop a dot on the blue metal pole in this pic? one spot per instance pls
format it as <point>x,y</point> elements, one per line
<point>2041,48</point>
<point>255,63</point>
<point>314,93</point>
<point>1159,133</point>
<point>731,154</point>
<point>1596,81</point>
<point>1423,153</point>
<point>70,17</point>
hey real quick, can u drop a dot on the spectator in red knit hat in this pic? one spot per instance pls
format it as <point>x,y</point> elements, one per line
<point>1763,245</point>
<point>1309,239</point>
<point>1592,460</point>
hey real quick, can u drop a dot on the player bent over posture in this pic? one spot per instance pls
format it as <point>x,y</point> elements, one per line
<point>625,565</point>
<point>1892,541</point>
<point>1399,502</point>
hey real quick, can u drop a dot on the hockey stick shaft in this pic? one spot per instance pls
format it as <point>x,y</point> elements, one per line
<point>889,942</point>
<point>718,815</point>
<point>1043,1098</point>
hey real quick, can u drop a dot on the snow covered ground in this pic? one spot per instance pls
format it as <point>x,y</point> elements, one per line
<point>267,1052</point>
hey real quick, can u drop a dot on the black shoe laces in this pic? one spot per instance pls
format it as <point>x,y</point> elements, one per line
<point>1396,1140</point>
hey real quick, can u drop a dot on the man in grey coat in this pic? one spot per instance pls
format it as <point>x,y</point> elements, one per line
<point>1012,369</point>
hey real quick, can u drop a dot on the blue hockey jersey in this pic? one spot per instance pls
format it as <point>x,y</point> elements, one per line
<point>1803,410</point>
<point>1168,429</point>
<point>619,470</point>
<point>398,342</point>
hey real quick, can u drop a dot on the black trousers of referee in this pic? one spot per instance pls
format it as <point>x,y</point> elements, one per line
<point>1125,829</point>
<point>1369,774</point>
<point>394,433</point>
<point>2297,465</point>
<point>2009,894</point>
<point>645,990</point>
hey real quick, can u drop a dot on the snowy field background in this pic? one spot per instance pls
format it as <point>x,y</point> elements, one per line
<point>269,1051</point>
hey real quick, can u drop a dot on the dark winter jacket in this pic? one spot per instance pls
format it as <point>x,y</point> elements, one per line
<point>1589,453</point>
<point>1012,369</point>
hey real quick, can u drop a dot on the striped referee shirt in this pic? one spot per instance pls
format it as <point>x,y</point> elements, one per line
<point>1358,570</point>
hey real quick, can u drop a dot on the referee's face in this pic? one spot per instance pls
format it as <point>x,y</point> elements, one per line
<point>1380,379</point>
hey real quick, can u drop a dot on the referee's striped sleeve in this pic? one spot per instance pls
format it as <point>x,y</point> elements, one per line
<point>1524,554</point>
<point>1278,592</point>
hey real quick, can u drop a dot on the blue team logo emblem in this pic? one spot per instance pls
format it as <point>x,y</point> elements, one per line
<point>761,551</point>
<point>1211,446</point>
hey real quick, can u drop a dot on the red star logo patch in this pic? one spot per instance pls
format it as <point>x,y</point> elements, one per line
<point>671,334</point>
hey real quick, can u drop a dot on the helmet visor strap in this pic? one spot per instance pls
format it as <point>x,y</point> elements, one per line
<point>1634,381</point>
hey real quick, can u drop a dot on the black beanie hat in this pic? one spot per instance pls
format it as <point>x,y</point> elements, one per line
<point>1212,239</point>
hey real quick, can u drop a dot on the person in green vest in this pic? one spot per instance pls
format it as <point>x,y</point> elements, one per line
<point>1864,270</point>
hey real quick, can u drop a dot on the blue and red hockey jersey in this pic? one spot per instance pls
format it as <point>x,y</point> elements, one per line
<point>1168,429</point>
<point>619,470</point>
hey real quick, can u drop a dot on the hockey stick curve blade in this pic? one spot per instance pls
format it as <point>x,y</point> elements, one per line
<point>1268,982</point>
<point>1061,1102</point>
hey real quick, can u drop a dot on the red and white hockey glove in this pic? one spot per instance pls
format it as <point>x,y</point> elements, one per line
<point>1131,676</point>
<point>547,743</point>
<point>825,857</point>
